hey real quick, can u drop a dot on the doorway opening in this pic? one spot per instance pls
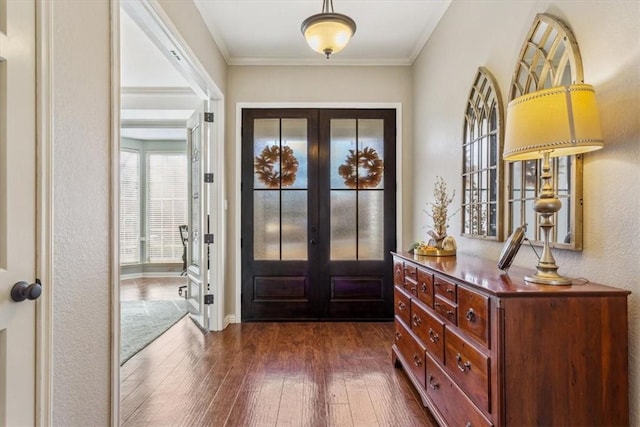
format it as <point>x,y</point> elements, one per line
<point>170,127</point>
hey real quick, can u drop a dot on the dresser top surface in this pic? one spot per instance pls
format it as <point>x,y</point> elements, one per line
<point>484,274</point>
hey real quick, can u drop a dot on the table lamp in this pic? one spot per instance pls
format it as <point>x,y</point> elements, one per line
<point>554,122</point>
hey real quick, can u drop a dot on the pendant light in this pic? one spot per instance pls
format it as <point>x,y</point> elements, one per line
<point>328,32</point>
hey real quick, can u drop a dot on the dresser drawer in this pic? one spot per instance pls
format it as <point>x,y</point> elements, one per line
<point>429,329</point>
<point>425,287</point>
<point>473,314</point>
<point>453,405</point>
<point>445,308</point>
<point>410,270</point>
<point>410,286</point>
<point>445,288</point>
<point>401,303</point>
<point>411,350</point>
<point>469,366</point>
<point>398,272</point>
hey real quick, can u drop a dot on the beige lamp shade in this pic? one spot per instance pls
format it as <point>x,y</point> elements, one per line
<point>328,33</point>
<point>562,120</point>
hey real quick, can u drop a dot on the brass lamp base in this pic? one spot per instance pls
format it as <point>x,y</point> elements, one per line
<point>546,205</point>
<point>542,278</point>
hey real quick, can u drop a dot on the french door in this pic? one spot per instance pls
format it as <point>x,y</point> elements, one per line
<point>318,213</point>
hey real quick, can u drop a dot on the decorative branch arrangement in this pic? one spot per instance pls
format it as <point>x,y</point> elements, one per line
<point>440,244</point>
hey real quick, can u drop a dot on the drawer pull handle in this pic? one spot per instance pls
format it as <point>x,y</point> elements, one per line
<point>401,305</point>
<point>450,313</point>
<point>464,367</point>
<point>468,424</point>
<point>471,315</point>
<point>416,320</point>
<point>398,336</point>
<point>434,385</point>
<point>413,288</point>
<point>436,284</point>
<point>416,360</point>
<point>433,337</point>
<point>424,288</point>
<point>436,304</point>
<point>449,291</point>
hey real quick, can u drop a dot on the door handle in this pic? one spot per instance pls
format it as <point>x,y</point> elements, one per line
<point>23,290</point>
<point>312,241</point>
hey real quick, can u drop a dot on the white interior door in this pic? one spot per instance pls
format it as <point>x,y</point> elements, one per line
<point>197,249</point>
<point>17,212</point>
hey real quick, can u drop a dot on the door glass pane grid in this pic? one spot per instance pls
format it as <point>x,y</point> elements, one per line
<point>280,189</point>
<point>357,189</point>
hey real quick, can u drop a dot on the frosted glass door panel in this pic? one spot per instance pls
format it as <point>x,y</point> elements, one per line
<point>343,225</point>
<point>294,225</point>
<point>280,153</point>
<point>294,136</point>
<point>343,148</point>
<point>370,225</point>
<point>370,153</point>
<point>266,147</point>
<point>356,172</point>
<point>266,225</point>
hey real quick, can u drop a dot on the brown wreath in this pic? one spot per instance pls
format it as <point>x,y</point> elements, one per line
<point>274,177</point>
<point>366,159</point>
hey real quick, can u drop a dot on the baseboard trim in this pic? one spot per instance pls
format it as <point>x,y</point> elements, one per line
<point>229,319</point>
<point>150,274</point>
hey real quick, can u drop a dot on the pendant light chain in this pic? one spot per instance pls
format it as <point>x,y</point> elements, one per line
<point>327,6</point>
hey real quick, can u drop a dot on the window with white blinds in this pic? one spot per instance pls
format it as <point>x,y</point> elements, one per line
<point>129,207</point>
<point>166,205</point>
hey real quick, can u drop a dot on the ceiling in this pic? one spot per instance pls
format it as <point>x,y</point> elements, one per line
<point>156,99</point>
<point>255,32</point>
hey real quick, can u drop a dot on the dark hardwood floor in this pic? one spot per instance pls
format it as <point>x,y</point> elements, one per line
<point>270,374</point>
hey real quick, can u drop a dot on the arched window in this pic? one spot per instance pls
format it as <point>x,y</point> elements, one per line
<point>549,58</point>
<point>482,151</point>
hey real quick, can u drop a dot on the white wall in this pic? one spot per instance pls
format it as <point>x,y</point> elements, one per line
<point>309,85</point>
<point>81,241</point>
<point>82,140</point>
<point>491,34</point>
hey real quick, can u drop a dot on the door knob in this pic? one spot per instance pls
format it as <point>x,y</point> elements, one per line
<point>23,290</point>
<point>312,241</point>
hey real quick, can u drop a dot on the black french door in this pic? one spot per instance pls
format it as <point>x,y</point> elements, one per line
<point>318,213</point>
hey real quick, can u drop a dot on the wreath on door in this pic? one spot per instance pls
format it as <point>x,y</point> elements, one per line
<point>367,160</point>
<point>265,166</point>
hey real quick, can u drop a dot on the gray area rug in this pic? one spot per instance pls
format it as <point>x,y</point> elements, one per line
<point>141,322</point>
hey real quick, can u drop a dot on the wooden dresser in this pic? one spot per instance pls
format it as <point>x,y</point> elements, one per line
<point>487,349</point>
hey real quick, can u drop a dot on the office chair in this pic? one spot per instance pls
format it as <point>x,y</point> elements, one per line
<point>184,236</point>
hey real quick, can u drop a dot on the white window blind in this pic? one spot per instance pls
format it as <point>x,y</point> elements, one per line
<point>129,207</point>
<point>166,205</point>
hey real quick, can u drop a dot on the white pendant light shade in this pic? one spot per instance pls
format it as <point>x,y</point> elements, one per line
<point>328,32</point>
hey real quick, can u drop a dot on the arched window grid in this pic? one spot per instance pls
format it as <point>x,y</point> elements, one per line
<point>482,149</point>
<point>549,57</point>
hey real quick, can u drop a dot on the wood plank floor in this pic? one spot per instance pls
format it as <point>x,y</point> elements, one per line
<point>270,374</point>
<point>265,374</point>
